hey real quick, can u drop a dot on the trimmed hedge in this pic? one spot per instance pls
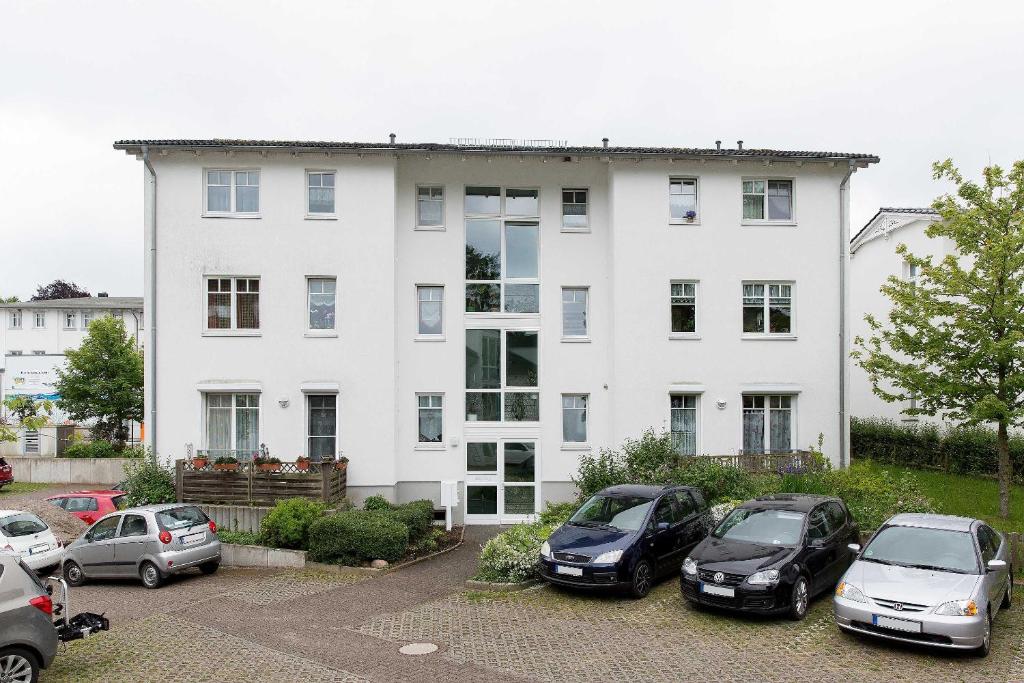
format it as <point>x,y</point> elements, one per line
<point>101,449</point>
<point>358,536</point>
<point>287,524</point>
<point>418,516</point>
<point>960,450</point>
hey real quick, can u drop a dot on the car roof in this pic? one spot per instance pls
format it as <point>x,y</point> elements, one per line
<point>930,521</point>
<point>642,490</point>
<point>157,508</point>
<point>797,502</point>
<point>97,492</point>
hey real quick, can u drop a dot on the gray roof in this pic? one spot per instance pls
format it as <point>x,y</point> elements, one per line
<point>929,521</point>
<point>135,146</point>
<point>97,302</point>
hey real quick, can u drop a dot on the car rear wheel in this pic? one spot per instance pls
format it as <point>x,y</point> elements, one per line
<point>1008,598</point>
<point>151,577</point>
<point>73,573</point>
<point>643,579</point>
<point>18,665</point>
<point>986,643</point>
<point>209,567</point>
<point>800,600</point>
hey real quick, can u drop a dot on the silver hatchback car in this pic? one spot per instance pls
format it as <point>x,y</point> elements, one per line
<point>150,542</point>
<point>933,579</point>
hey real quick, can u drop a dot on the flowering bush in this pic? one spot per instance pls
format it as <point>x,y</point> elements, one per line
<point>511,556</point>
<point>719,512</point>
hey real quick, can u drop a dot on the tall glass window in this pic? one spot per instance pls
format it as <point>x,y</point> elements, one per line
<point>684,423</point>
<point>323,426</point>
<point>501,386</point>
<point>502,272</point>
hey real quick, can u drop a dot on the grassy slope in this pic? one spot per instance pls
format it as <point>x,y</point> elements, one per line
<point>21,487</point>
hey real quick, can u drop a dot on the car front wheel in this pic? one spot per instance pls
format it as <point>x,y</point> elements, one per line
<point>800,600</point>
<point>73,574</point>
<point>151,577</point>
<point>643,579</point>
<point>18,666</point>
<point>986,642</point>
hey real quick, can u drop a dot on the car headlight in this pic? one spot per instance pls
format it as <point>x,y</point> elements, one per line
<point>610,557</point>
<point>545,550</point>
<point>850,592</point>
<point>957,608</point>
<point>766,578</point>
<point>690,566</point>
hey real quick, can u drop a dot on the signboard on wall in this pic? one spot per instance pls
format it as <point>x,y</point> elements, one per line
<point>34,376</point>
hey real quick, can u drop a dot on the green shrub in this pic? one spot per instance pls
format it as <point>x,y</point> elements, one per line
<point>417,516</point>
<point>238,537</point>
<point>148,483</point>
<point>287,523</point>
<point>718,481</point>
<point>376,503</point>
<point>511,556</point>
<point>557,513</point>
<point>101,449</point>
<point>357,536</point>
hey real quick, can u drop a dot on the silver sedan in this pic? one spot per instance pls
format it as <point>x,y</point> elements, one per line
<point>933,579</point>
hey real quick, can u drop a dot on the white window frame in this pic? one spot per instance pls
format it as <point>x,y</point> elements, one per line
<point>696,199</point>
<point>575,228</point>
<point>503,386</point>
<point>337,420</point>
<point>318,215</point>
<point>765,334</point>
<point>431,337</point>
<point>430,445</point>
<point>768,221</point>
<point>696,310</point>
<point>234,330</point>
<point>576,445</point>
<point>793,406</point>
<point>327,331</point>
<point>36,317</point>
<point>911,273</point>
<point>697,417</point>
<point>576,338</point>
<point>232,213</point>
<point>444,207</point>
<point>86,318</point>
<point>73,317</point>
<point>234,411</point>
<point>16,319</point>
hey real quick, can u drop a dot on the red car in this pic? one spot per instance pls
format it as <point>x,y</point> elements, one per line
<point>6,474</point>
<point>88,506</point>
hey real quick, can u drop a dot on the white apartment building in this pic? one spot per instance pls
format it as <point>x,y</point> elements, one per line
<point>486,313</point>
<point>873,259</point>
<point>34,336</point>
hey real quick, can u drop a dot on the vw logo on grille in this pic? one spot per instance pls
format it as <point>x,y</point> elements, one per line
<point>898,606</point>
<point>571,558</point>
<point>719,577</point>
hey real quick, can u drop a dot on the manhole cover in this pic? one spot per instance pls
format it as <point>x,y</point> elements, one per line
<point>418,649</point>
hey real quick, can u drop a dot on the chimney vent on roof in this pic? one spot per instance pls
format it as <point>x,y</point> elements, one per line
<point>102,295</point>
<point>718,144</point>
<point>739,145</point>
<point>392,136</point>
<point>604,141</point>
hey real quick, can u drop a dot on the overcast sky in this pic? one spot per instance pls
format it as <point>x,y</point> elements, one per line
<point>910,81</point>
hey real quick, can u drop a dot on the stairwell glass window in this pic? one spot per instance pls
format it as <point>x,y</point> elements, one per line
<point>15,320</point>
<point>230,192</point>
<point>429,207</point>
<point>574,418</point>
<point>232,303</point>
<point>683,421</point>
<point>767,308</point>
<point>39,319</point>
<point>320,193</point>
<point>321,426</point>
<point>322,301</point>
<point>502,271</point>
<point>768,424</point>
<point>574,313</point>
<point>682,199</point>
<point>684,307</point>
<point>502,376</point>
<point>575,209</point>
<point>767,200</point>
<point>430,311</point>
<point>430,418</point>
<point>233,424</point>
<point>70,320</point>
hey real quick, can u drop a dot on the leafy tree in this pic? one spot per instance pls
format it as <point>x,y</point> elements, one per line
<point>9,299</point>
<point>103,381</point>
<point>59,289</point>
<point>27,413</point>
<point>955,337</point>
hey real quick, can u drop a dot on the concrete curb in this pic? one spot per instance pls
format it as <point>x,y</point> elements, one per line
<point>233,555</point>
<point>501,587</point>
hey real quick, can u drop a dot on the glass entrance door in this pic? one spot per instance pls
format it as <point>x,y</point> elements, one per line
<point>501,481</point>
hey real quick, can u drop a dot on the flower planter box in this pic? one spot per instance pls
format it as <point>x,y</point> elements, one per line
<point>226,467</point>
<point>341,466</point>
<point>302,465</point>
<point>199,463</point>
<point>269,467</point>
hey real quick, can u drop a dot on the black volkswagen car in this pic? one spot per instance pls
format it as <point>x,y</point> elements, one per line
<point>626,537</point>
<point>772,555</point>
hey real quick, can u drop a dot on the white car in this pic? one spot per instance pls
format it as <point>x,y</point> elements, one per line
<point>24,535</point>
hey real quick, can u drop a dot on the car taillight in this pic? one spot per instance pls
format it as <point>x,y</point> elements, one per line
<point>165,537</point>
<point>43,603</point>
<point>213,526</point>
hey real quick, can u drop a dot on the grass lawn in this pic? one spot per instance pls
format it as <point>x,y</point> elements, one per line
<point>21,487</point>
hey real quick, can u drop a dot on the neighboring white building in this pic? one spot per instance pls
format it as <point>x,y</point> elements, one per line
<point>486,313</point>
<point>34,336</point>
<point>873,259</point>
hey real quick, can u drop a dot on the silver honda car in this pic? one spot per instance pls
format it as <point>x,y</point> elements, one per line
<point>932,579</point>
<point>149,542</point>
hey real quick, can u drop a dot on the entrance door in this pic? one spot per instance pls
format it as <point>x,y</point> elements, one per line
<point>501,481</point>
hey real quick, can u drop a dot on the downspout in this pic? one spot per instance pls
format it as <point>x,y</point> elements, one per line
<point>844,240</point>
<point>149,368</point>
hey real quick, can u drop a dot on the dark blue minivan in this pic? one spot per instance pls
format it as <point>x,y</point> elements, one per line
<point>626,537</point>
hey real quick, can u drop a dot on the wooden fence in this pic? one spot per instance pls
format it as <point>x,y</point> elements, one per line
<point>251,485</point>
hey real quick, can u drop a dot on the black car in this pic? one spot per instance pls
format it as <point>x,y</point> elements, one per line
<point>772,555</point>
<point>626,537</point>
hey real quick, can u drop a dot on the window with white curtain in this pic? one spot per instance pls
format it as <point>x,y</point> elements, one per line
<point>40,318</point>
<point>683,421</point>
<point>322,426</point>
<point>767,308</point>
<point>574,418</point>
<point>430,418</point>
<point>15,319</point>
<point>87,317</point>
<point>429,206</point>
<point>767,423</point>
<point>232,192</point>
<point>232,303</point>
<point>574,312</point>
<point>682,198</point>
<point>70,320</point>
<point>320,193</point>
<point>321,302</point>
<point>765,199</point>
<point>233,424</point>
<point>430,310</point>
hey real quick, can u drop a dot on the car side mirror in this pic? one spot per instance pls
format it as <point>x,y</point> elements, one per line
<point>662,526</point>
<point>88,538</point>
<point>994,565</point>
<point>855,547</point>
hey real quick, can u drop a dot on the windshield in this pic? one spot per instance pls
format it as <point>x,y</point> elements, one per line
<point>626,513</point>
<point>939,549</point>
<point>767,527</point>
<point>179,518</point>
<point>23,524</point>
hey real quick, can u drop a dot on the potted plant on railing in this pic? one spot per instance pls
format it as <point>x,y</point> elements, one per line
<point>226,463</point>
<point>199,462</point>
<point>341,463</point>
<point>267,464</point>
<point>691,215</point>
<point>302,463</point>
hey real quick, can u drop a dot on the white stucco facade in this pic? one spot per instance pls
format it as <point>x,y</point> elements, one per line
<point>377,365</point>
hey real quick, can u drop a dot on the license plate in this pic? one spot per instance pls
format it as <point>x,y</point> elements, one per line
<point>712,589</point>
<point>568,571</point>
<point>896,624</point>
<point>192,538</point>
<point>42,548</point>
